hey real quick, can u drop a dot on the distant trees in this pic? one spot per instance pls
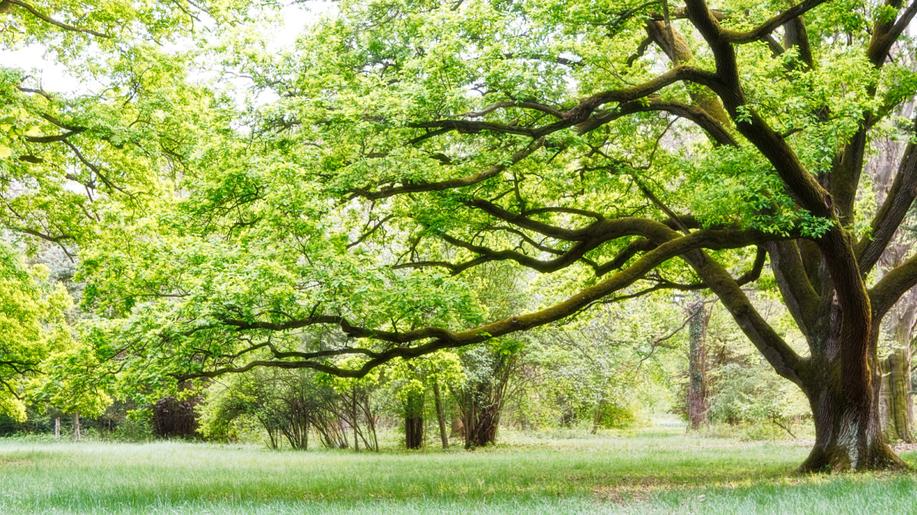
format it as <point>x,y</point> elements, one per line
<point>288,406</point>
<point>174,418</point>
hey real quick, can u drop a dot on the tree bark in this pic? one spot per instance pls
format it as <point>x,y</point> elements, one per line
<point>697,364</point>
<point>847,436</point>
<point>56,427</point>
<point>77,433</point>
<point>897,395</point>
<point>413,420</point>
<point>845,409</point>
<point>440,415</point>
<point>353,418</point>
<point>481,423</point>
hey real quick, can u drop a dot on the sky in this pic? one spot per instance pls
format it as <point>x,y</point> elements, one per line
<point>296,16</point>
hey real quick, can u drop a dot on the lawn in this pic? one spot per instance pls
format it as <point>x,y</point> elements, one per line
<point>648,472</point>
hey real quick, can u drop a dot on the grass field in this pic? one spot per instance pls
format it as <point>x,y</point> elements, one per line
<point>649,472</point>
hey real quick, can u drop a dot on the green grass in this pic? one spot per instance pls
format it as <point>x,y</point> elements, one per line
<point>644,473</point>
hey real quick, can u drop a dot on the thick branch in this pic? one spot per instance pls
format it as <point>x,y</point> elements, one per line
<point>672,244</point>
<point>781,356</point>
<point>579,113</point>
<point>800,296</point>
<point>892,286</point>
<point>451,183</point>
<point>773,23</point>
<point>891,214</point>
<point>47,19</point>
<point>885,35</point>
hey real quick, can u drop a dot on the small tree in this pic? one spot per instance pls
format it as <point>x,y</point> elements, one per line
<point>413,379</point>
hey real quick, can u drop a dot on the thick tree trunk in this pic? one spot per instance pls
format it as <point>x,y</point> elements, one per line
<point>413,420</point>
<point>847,435</point>
<point>896,391</point>
<point>896,377</point>
<point>697,365</point>
<point>481,427</point>
<point>481,407</point>
<point>482,402</point>
<point>843,390</point>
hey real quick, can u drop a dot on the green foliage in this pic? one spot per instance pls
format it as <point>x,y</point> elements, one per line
<point>33,325</point>
<point>753,395</point>
<point>614,416</point>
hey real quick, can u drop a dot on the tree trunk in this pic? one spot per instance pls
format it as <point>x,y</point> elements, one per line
<point>847,436</point>
<point>413,420</point>
<point>482,402</point>
<point>458,425</point>
<point>896,384</point>
<point>56,427</point>
<point>843,393</point>
<point>697,364</point>
<point>440,415</point>
<point>481,423</point>
<point>597,415</point>
<point>353,418</point>
<point>896,390</point>
<point>77,434</point>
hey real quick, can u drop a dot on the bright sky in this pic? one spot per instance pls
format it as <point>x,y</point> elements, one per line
<point>295,18</point>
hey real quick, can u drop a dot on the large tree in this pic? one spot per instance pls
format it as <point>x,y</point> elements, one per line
<point>624,146</point>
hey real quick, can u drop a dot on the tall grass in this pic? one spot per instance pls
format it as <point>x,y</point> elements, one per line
<point>660,472</point>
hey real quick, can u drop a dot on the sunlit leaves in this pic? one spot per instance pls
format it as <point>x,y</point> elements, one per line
<point>32,325</point>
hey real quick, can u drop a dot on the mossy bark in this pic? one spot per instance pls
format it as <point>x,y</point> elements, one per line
<point>896,384</point>
<point>845,409</point>
<point>848,436</point>
<point>697,365</point>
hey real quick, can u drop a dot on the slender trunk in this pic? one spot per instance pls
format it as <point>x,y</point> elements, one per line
<point>697,364</point>
<point>440,415</point>
<point>413,420</point>
<point>597,415</point>
<point>77,434</point>
<point>370,440</point>
<point>57,427</point>
<point>353,418</point>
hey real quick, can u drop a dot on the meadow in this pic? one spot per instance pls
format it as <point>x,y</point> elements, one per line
<point>646,472</point>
